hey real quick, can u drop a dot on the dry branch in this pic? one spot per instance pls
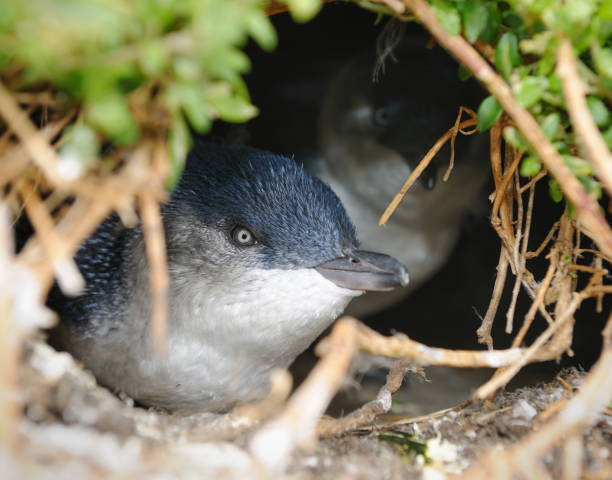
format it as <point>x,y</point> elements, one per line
<point>155,244</point>
<point>367,413</point>
<point>578,413</point>
<point>582,122</point>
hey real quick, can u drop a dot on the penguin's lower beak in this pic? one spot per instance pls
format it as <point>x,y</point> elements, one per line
<point>361,270</point>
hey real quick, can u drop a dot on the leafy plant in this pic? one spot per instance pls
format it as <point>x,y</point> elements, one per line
<point>179,62</point>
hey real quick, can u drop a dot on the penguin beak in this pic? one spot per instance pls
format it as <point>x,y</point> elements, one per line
<point>361,270</point>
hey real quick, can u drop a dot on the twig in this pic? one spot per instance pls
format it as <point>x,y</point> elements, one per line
<point>38,148</point>
<point>539,300</point>
<point>296,425</point>
<point>519,260</point>
<point>547,239</point>
<point>68,276</point>
<point>587,207</point>
<point>484,331</point>
<point>528,355</point>
<point>280,388</point>
<point>155,243</point>
<point>368,412</point>
<point>506,233</point>
<point>582,122</point>
<point>572,458</point>
<point>454,137</point>
<point>80,221</point>
<point>10,344</point>
<point>419,169</point>
<point>579,413</point>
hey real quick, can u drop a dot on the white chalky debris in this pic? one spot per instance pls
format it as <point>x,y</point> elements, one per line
<point>385,399</point>
<point>431,473</point>
<point>50,364</point>
<point>103,449</point>
<point>70,166</point>
<point>272,446</point>
<point>217,460</point>
<point>444,454</point>
<point>523,410</point>
<point>575,411</point>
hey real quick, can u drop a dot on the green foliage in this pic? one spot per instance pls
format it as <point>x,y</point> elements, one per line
<point>525,35</point>
<point>488,113</point>
<point>408,444</point>
<point>185,55</point>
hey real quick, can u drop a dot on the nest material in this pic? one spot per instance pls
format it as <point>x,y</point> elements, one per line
<point>65,208</point>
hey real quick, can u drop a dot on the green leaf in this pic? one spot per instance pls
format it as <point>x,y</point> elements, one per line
<point>111,115</point>
<point>577,165</point>
<point>153,58</point>
<point>262,31</point>
<point>554,83</point>
<point>447,16</point>
<point>599,111</point>
<point>603,59</point>
<point>605,12</point>
<point>79,152</point>
<point>515,138</point>
<point>607,136</point>
<point>506,54</point>
<point>530,166</point>
<point>491,31</point>
<point>232,109</point>
<point>550,125</point>
<point>555,192</point>
<point>475,16</point>
<point>463,73</point>
<point>529,91</point>
<point>304,10</point>
<point>488,113</point>
<point>512,19</point>
<point>179,143</point>
<point>591,186</point>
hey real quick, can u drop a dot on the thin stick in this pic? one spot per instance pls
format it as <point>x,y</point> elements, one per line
<point>519,263</point>
<point>547,239</point>
<point>296,425</point>
<point>582,122</point>
<point>454,137</point>
<point>484,331</point>
<point>38,148</point>
<point>579,413</point>
<point>155,243</point>
<point>522,260</point>
<point>368,412</point>
<point>418,170</point>
<point>518,340</point>
<point>68,276</point>
<point>10,344</point>
<point>504,377</point>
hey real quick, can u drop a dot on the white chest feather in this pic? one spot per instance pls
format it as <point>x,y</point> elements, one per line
<point>224,341</point>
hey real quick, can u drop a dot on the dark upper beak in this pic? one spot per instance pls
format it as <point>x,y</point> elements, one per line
<point>361,270</point>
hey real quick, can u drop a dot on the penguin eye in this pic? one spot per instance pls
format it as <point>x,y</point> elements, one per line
<point>381,117</point>
<point>243,237</point>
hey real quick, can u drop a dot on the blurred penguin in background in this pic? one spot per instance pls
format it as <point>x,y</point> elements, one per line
<point>373,133</point>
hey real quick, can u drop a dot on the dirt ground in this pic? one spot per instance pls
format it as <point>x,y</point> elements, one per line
<point>72,428</point>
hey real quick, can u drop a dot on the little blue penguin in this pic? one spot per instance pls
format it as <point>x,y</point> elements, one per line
<point>262,257</point>
<point>371,137</point>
